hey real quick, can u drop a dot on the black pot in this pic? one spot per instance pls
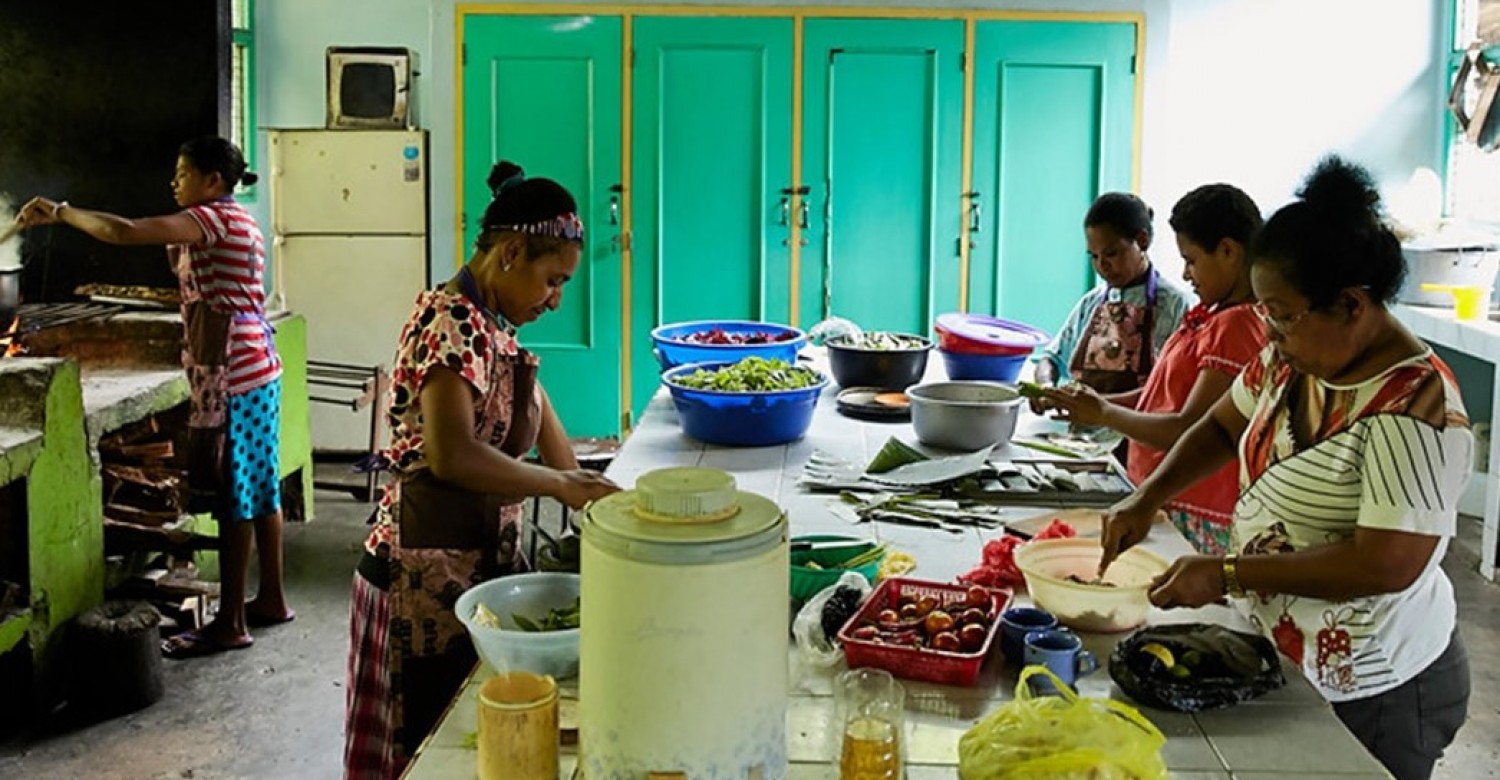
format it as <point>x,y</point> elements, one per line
<point>886,369</point>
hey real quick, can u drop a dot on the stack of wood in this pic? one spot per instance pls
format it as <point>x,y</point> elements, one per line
<point>146,524</point>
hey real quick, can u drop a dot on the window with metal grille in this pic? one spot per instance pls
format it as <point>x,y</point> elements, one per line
<point>1473,175</point>
<point>242,86</point>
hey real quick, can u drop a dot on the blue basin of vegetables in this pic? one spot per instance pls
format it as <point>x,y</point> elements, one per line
<point>743,419</point>
<point>672,351</point>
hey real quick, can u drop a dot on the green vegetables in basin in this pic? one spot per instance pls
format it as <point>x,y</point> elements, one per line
<point>751,375</point>
<point>554,620</point>
<point>1029,389</point>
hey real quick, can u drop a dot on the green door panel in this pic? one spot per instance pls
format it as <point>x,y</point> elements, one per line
<point>1054,123</point>
<point>711,153</point>
<point>545,92</point>
<point>882,154</point>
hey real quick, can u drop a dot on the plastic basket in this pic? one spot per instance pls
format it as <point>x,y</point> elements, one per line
<point>806,581</point>
<point>919,663</point>
<point>672,351</point>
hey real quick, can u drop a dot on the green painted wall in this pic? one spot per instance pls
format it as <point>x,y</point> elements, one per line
<point>296,432</point>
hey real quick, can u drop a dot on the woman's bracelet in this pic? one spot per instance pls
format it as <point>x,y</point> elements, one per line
<point>57,207</point>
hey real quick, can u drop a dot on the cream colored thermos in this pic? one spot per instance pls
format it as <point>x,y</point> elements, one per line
<point>683,665</point>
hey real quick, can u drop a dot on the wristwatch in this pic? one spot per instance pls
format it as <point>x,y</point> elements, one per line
<point>1232,576</point>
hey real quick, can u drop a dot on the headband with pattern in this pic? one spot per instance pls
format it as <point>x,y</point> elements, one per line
<point>567,226</point>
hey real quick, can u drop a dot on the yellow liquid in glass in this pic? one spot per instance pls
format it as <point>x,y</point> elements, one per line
<point>872,751</point>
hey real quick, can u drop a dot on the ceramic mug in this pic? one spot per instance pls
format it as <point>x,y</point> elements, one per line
<point>1062,652</point>
<point>1016,623</point>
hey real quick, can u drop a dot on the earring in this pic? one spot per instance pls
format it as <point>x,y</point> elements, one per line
<point>505,267</point>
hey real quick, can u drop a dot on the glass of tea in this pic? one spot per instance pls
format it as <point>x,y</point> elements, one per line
<point>869,719</point>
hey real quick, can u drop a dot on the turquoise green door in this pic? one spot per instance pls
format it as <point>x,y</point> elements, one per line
<point>712,145</point>
<point>882,154</point>
<point>1054,124</point>
<point>544,91</point>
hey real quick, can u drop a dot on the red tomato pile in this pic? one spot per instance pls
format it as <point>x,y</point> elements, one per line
<point>998,569</point>
<point>960,627</point>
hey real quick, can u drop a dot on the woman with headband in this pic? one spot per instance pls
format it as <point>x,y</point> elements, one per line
<point>465,409</point>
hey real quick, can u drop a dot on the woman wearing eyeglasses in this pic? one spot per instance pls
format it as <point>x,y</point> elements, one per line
<point>1354,448</point>
<point>465,410</point>
<point>1218,337</point>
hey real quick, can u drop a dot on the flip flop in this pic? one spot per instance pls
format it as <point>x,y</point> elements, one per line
<point>257,620</point>
<point>191,644</point>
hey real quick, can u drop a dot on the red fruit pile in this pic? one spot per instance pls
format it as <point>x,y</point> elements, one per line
<point>958,627</point>
<point>998,569</point>
<point>719,336</point>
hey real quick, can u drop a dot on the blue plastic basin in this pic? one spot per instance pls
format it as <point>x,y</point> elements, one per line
<point>742,419</point>
<point>672,352</point>
<point>996,368</point>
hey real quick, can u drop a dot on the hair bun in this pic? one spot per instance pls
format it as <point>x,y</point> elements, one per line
<point>249,177</point>
<point>503,176</point>
<point>1339,187</point>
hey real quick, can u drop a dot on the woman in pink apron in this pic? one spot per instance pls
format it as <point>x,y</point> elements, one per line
<point>1114,333</point>
<point>465,410</point>
<point>233,373</point>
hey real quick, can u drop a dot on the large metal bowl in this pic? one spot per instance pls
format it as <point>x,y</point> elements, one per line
<point>965,416</point>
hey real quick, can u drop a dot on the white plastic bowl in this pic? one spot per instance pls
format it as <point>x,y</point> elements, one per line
<point>1047,563</point>
<point>508,648</point>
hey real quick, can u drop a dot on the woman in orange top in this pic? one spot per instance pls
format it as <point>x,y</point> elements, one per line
<point>1217,338</point>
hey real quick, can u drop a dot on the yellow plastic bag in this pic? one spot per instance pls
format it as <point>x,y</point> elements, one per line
<point>1061,737</point>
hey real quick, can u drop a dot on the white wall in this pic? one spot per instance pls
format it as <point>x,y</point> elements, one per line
<point>1246,91</point>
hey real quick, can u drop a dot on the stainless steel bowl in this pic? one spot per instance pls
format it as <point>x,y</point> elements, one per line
<point>965,416</point>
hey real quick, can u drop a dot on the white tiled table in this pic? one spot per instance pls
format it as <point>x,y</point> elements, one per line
<point>1289,733</point>
<point>1479,339</point>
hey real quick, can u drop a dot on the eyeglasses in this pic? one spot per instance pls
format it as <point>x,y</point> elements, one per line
<point>1282,324</point>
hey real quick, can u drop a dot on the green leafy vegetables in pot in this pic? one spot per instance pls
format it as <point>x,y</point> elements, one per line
<point>555,620</point>
<point>751,375</point>
<point>880,341</point>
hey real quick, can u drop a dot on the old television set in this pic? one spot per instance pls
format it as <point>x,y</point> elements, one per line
<point>369,88</point>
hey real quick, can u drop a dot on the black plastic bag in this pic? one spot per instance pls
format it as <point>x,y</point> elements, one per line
<point>1227,667</point>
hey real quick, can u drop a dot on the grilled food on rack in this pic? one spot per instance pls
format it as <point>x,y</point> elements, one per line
<point>159,296</point>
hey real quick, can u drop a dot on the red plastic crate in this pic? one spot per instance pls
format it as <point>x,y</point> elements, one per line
<point>919,663</point>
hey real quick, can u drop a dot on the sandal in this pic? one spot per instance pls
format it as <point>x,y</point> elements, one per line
<point>191,644</point>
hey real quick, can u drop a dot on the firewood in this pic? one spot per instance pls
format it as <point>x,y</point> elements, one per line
<point>128,537</point>
<point>160,451</point>
<point>159,477</point>
<point>125,513</point>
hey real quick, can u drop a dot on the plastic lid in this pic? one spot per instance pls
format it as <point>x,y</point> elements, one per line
<point>993,331</point>
<point>684,516</point>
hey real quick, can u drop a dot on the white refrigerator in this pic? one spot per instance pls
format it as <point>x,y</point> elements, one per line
<point>349,250</point>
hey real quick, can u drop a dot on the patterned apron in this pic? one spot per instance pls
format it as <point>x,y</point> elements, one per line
<point>1115,354</point>
<point>446,539</point>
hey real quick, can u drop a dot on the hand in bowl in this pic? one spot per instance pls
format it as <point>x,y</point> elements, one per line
<point>1191,581</point>
<point>1125,525</point>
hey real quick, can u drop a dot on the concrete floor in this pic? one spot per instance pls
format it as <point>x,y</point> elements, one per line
<point>276,710</point>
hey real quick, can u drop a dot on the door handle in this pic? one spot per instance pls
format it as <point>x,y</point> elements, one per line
<point>614,203</point>
<point>974,213</point>
<point>785,209</point>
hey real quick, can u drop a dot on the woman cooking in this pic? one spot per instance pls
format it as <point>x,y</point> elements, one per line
<point>1354,448</point>
<point>1218,337</point>
<point>1113,334</point>
<point>465,410</point>
<point>233,372</point>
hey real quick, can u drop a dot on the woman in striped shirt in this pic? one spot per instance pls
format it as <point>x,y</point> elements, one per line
<point>233,372</point>
<point>1354,448</point>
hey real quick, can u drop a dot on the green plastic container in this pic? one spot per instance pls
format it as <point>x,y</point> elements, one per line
<point>807,582</point>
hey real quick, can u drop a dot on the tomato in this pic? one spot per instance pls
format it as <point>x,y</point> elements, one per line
<point>888,617</point>
<point>909,612</point>
<point>947,641</point>
<point>977,596</point>
<point>972,636</point>
<point>926,605</point>
<point>866,633</point>
<point>937,621</point>
<point>974,615</point>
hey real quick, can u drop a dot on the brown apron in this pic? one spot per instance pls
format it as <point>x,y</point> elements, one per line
<point>448,539</point>
<point>205,358</point>
<point>1115,353</point>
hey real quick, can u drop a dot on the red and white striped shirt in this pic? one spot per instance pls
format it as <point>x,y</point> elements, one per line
<point>227,270</point>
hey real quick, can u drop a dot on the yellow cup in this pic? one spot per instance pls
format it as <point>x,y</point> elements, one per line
<point>518,727</point>
<point>1468,300</point>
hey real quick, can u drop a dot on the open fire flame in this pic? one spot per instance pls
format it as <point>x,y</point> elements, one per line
<point>10,343</point>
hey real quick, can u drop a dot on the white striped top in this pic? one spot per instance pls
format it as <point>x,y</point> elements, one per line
<point>1372,462</point>
<point>227,270</point>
